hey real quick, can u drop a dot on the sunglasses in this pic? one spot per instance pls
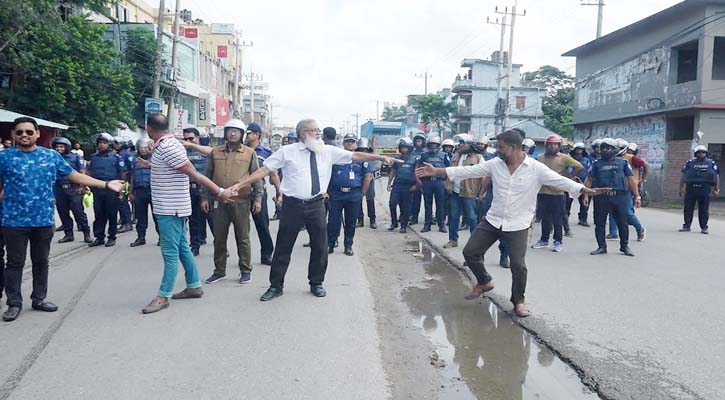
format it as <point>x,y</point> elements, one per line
<point>28,132</point>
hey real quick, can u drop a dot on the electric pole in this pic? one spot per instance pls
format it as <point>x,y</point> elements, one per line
<point>600,15</point>
<point>172,99</point>
<point>513,13</point>
<point>238,95</point>
<point>425,77</point>
<point>357,123</point>
<point>159,50</point>
<point>499,109</point>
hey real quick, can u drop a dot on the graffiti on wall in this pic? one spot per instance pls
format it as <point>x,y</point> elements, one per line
<point>648,133</point>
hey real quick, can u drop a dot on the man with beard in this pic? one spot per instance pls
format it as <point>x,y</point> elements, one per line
<point>463,193</point>
<point>516,180</point>
<point>418,149</point>
<point>307,168</point>
<point>69,196</point>
<point>402,185</point>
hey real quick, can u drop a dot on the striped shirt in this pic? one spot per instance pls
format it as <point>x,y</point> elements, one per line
<point>169,185</point>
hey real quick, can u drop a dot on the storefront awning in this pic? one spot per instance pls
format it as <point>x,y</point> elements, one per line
<point>9,116</point>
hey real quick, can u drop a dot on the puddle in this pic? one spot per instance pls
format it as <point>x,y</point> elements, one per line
<point>480,352</point>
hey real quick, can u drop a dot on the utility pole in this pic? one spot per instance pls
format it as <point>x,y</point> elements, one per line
<point>424,76</point>
<point>172,98</point>
<point>513,13</point>
<point>251,96</point>
<point>600,15</point>
<point>357,123</point>
<point>159,50</point>
<point>238,95</point>
<point>499,109</point>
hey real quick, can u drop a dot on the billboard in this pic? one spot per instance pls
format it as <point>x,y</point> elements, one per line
<point>222,111</point>
<point>221,51</point>
<point>153,105</point>
<point>191,33</point>
<point>179,118</point>
<point>223,29</point>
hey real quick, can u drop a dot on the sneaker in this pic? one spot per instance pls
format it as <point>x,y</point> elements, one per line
<point>245,277</point>
<point>558,247</point>
<point>450,244</point>
<point>641,235</point>
<point>540,245</point>
<point>612,237</point>
<point>214,278</point>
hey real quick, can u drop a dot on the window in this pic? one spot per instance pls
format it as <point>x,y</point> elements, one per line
<point>680,128</point>
<point>520,102</point>
<point>718,59</point>
<point>684,62</point>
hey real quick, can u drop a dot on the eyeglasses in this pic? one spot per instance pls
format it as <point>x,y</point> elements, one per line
<point>312,130</point>
<point>28,132</point>
<point>189,139</point>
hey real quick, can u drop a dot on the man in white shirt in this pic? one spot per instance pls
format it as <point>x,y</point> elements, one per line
<point>516,182</point>
<point>307,168</point>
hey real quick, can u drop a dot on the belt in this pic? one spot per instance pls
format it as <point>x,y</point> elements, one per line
<point>348,189</point>
<point>616,192</point>
<point>67,185</point>
<point>295,199</point>
<point>696,185</point>
<point>432,178</point>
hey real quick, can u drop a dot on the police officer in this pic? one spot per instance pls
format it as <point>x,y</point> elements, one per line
<point>402,185</point>
<point>141,189</point>
<point>433,187</point>
<point>580,154</point>
<point>595,155</point>
<point>124,209</point>
<point>699,176</point>
<point>347,185</point>
<point>69,196</point>
<point>612,172</point>
<point>364,145</point>
<point>448,146</point>
<point>529,147</point>
<point>105,165</point>
<point>198,219</point>
<point>418,149</point>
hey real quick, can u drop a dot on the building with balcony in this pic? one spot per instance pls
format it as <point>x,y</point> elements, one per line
<point>475,93</point>
<point>657,83</point>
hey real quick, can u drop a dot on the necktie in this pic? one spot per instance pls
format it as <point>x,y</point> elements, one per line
<point>315,175</point>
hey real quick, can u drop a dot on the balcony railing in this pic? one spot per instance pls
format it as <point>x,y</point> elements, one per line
<point>462,111</point>
<point>462,84</point>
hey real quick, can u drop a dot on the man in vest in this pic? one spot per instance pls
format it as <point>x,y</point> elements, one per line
<point>402,185</point>
<point>199,219</point>
<point>105,165</point>
<point>614,173</point>
<point>640,168</point>
<point>418,149</point>
<point>433,187</point>
<point>69,196</point>
<point>347,185</point>
<point>462,194</point>
<point>580,154</point>
<point>700,179</point>
<point>124,208</point>
<point>141,189</point>
<point>363,144</point>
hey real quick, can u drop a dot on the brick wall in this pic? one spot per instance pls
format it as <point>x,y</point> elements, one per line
<point>678,152</point>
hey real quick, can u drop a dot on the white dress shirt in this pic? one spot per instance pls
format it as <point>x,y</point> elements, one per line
<point>514,195</point>
<point>294,162</point>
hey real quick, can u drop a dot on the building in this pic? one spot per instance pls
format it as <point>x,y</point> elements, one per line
<point>657,83</point>
<point>476,94</point>
<point>258,91</point>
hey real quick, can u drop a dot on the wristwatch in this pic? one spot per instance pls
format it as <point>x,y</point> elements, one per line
<point>221,191</point>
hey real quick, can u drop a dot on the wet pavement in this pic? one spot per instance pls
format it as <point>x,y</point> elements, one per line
<point>480,352</point>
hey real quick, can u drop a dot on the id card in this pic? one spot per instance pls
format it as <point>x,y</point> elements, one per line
<point>216,204</point>
<point>352,175</point>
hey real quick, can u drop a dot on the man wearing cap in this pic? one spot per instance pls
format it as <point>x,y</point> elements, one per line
<point>419,140</point>
<point>700,179</point>
<point>69,196</point>
<point>199,158</point>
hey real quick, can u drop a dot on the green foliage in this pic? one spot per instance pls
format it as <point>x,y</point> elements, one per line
<point>434,109</point>
<point>390,113</point>
<point>62,69</point>
<point>139,57</point>
<point>558,104</point>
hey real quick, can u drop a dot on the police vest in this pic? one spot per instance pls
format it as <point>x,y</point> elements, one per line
<point>106,166</point>
<point>198,160</point>
<point>73,160</point>
<point>406,170</point>
<point>610,174</point>
<point>141,175</point>
<point>700,171</point>
<point>437,159</point>
<point>129,159</point>
<point>347,176</point>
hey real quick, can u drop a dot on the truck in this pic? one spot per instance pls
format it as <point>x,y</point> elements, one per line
<point>384,137</point>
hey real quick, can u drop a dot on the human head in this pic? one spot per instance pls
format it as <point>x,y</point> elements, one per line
<point>700,152</point>
<point>292,138</point>
<point>580,150</point>
<point>8,143</point>
<point>465,143</point>
<point>234,131</point>
<point>632,148</point>
<point>595,146</point>
<point>433,144</point>
<point>405,145</point>
<point>508,144</point>
<point>528,146</point>
<point>60,144</point>
<point>76,146</point>
<point>157,125</point>
<point>448,145</point>
<point>254,134</point>
<point>482,144</point>
<point>350,142</point>
<point>520,132</point>
<point>608,148</point>
<point>144,147</point>
<point>419,140</point>
<point>364,145</point>
<point>25,132</point>
<point>191,134</point>
<point>310,134</point>
<point>103,142</point>
<point>285,141</point>
<point>553,144</point>
<point>329,135</point>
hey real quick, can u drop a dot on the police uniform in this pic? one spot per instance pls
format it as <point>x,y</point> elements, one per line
<point>699,176</point>
<point>611,174</point>
<point>124,209</point>
<point>68,198</point>
<point>417,195</point>
<point>400,195</point>
<point>433,188</point>
<point>198,219</point>
<point>370,197</point>
<point>261,219</point>
<point>141,196</point>
<point>345,191</point>
<point>106,166</point>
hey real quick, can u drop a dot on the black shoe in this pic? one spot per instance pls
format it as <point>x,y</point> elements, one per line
<point>44,306</point>
<point>158,243</point>
<point>266,260</point>
<point>125,228</point>
<point>330,249</point>
<point>584,223</point>
<point>97,242</point>
<point>403,230</point>
<point>373,225</point>
<point>138,242</point>
<point>271,293</point>
<point>349,252</point>
<point>413,221</point>
<point>111,243</point>
<point>705,231</point>
<point>59,229</point>
<point>215,278</point>
<point>195,251</point>
<point>393,227</point>
<point>504,262</point>
<point>203,242</point>
<point>442,229</point>
<point>87,237</point>
<point>568,234</point>
<point>426,228</point>
<point>66,239</point>
<point>601,250</point>
<point>627,252</point>
<point>11,314</point>
<point>318,291</point>
<point>360,224</point>
<point>306,244</point>
<point>684,229</point>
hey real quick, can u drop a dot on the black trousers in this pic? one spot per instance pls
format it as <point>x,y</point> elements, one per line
<point>199,219</point>
<point>141,205</point>
<point>697,194</point>
<point>2,262</point>
<point>69,200</point>
<point>370,200</point>
<point>105,206</point>
<point>552,215</point>
<point>261,222</point>
<point>583,210</point>
<point>616,205</point>
<point>295,214</point>
<point>16,242</point>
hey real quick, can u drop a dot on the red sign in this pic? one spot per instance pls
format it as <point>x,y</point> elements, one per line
<point>221,51</point>
<point>222,111</point>
<point>191,33</point>
<point>181,31</point>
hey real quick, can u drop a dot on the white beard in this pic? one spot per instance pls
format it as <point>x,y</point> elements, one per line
<point>314,145</point>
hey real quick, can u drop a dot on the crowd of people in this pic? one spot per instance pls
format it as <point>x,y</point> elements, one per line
<point>321,186</point>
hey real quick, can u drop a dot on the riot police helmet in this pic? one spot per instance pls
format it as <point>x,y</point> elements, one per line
<point>701,148</point>
<point>61,140</point>
<point>105,137</point>
<point>364,145</point>
<point>448,142</point>
<point>143,143</point>
<point>466,138</point>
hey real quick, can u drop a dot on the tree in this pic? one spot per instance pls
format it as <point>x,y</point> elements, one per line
<point>434,109</point>
<point>62,69</point>
<point>558,103</point>
<point>139,57</point>
<point>390,113</point>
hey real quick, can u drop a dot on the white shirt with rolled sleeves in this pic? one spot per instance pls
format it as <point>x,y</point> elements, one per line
<point>514,195</point>
<point>294,162</point>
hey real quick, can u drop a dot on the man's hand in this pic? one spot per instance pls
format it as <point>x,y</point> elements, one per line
<point>227,195</point>
<point>143,162</point>
<point>392,160</point>
<point>325,197</point>
<point>585,201</point>
<point>256,207</point>
<point>680,193</point>
<point>716,192</point>
<point>413,188</point>
<point>279,198</point>
<point>390,188</point>
<point>637,202</point>
<point>595,191</point>
<point>116,186</point>
<point>426,170</point>
<point>205,206</point>
<point>237,187</point>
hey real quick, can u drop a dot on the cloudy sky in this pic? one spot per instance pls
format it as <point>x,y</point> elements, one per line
<point>330,59</point>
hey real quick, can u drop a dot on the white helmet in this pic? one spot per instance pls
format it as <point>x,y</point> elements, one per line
<point>632,146</point>
<point>434,139</point>
<point>466,138</point>
<point>609,142</point>
<point>448,142</point>
<point>143,143</point>
<point>579,145</point>
<point>238,124</point>
<point>701,148</point>
<point>484,139</point>
<point>596,143</point>
<point>621,143</point>
<point>528,142</point>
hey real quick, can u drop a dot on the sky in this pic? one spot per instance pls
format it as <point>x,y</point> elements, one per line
<point>331,59</point>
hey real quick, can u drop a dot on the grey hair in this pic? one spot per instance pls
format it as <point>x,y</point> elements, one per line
<point>303,124</point>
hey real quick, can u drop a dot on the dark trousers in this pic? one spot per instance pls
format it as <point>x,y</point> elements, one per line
<point>568,200</point>
<point>699,195</point>
<point>483,205</point>
<point>261,222</point>
<point>141,205</point>
<point>16,242</point>
<point>400,197</point>
<point>416,197</point>
<point>617,206</point>
<point>124,209</point>
<point>483,237</point>
<point>236,214</point>
<point>199,219</point>
<point>295,214</point>
<point>349,203</point>
<point>583,210</point>
<point>105,206</point>
<point>2,262</point>
<point>552,215</point>
<point>434,189</point>
<point>370,200</point>
<point>69,200</point>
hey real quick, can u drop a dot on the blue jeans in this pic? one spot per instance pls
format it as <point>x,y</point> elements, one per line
<point>631,218</point>
<point>174,247</point>
<point>461,204</point>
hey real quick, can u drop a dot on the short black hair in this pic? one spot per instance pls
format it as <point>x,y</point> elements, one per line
<point>511,137</point>
<point>158,122</point>
<point>329,133</point>
<point>192,130</point>
<point>21,120</point>
<point>520,132</point>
